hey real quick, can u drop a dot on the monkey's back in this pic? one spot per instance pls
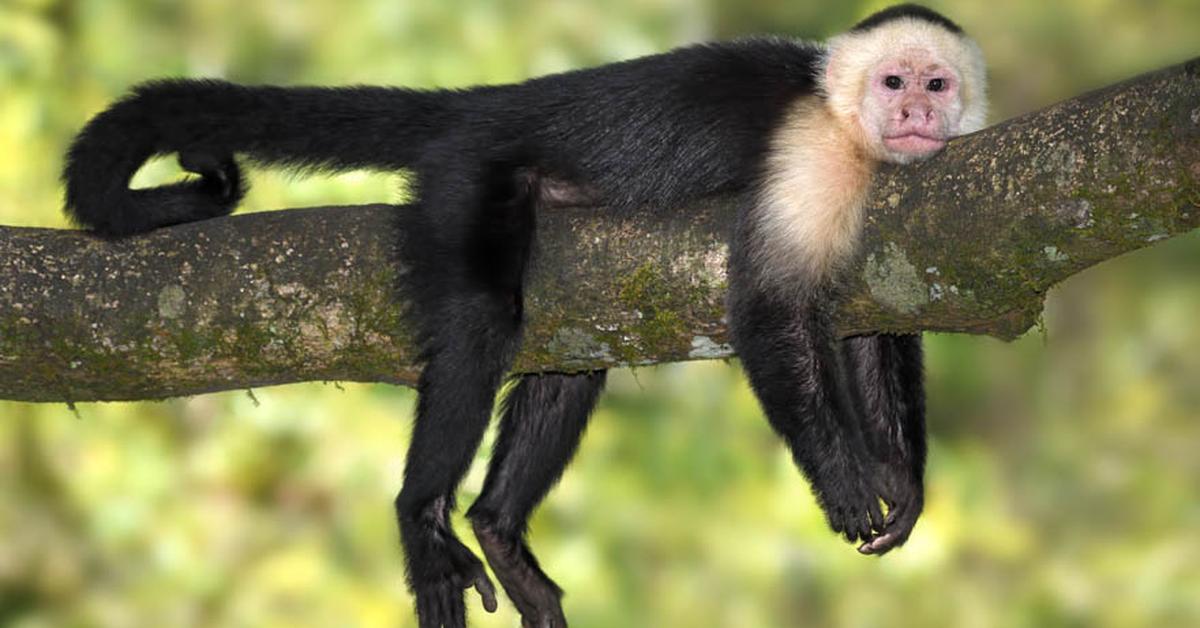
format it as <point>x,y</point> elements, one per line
<point>660,128</point>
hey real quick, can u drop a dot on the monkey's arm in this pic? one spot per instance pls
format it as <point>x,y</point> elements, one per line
<point>886,373</point>
<point>789,356</point>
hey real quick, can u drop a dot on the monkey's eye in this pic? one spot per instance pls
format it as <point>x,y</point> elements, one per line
<point>936,85</point>
<point>893,82</point>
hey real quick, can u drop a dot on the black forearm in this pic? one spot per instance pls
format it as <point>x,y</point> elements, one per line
<point>887,373</point>
<point>885,376</point>
<point>788,352</point>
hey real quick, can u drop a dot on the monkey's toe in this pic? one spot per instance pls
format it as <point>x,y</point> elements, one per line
<point>469,573</point>
<point>440,605</point>
<point>544,621</point>
<point>441,568</point>
<point>534,594</point>
<point>440,602</point>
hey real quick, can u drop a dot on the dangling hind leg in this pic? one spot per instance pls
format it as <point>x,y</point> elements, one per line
<point>543,421</point>
<point>456,392</point>
<point>467,291</point>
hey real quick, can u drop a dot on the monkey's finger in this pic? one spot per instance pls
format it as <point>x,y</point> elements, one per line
<point>875,514</point>
<point>859,527</point>
<point>865,527</point>
<point>885,543</point>
<point>849,526</point>
<point>897,533</point>
<point>834,517</point>
<point>895,513</point>
<point>879,545</point>
<point>844,526</point>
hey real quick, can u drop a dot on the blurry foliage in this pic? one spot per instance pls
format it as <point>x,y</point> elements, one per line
<point>1064,477</point>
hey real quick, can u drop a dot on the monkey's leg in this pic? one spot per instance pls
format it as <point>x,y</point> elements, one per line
<point>543,421</point>
<point>467,291</point>
<point>456,392</point>
<point>787,351</point>
<point>886,373</point>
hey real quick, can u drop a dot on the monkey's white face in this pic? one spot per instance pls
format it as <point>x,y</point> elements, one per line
<point>911,106</point>
<point>905,88</point>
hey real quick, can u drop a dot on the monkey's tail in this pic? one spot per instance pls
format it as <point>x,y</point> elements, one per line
<point>207,122</point>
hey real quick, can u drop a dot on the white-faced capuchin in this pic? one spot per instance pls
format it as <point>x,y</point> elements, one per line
<point>793,129</point>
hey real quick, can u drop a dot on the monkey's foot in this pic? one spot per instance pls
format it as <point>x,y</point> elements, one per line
<point>532,591</point>
<point>440,569</point>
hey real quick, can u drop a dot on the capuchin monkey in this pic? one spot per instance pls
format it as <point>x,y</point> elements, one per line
<point>793,129</point>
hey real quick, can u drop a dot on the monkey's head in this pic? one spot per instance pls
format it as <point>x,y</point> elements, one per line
<point>904,81</point>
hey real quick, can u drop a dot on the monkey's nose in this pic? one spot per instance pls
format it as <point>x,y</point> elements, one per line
<point>921,113</point>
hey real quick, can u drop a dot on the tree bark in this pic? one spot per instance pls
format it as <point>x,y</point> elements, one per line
<point>969,241</point>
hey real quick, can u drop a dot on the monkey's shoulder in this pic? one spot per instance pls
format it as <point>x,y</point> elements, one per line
<point>808,211</point>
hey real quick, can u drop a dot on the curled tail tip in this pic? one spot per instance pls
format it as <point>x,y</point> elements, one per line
<point>220,176</point>
<point>137,211</point>
<point>113,146</point>
<point>98,197</point>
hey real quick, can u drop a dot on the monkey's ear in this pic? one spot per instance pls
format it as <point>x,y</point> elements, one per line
<point>830,67</point>
<point>844,63</point>
<point>829,71</point>
<point>840,79</point>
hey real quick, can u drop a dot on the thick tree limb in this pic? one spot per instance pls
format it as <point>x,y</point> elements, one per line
<point>970,241</point>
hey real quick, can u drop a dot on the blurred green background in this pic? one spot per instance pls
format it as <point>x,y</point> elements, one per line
<point>1064,476</point>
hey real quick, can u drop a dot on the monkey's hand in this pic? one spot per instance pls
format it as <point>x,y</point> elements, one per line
<point>850,494</point>
<point>904,494</point>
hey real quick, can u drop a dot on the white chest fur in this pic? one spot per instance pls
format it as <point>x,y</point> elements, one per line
<point>809,212</point>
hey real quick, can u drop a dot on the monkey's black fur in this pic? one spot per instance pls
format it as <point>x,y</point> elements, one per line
<point>659,129</point>
<point>663,129</point>
<point>914,11</point>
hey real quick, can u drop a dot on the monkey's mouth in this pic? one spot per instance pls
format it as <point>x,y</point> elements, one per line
<point>914,143</point>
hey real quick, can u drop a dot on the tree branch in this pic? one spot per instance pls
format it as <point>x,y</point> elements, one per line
<point>970,241</point>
